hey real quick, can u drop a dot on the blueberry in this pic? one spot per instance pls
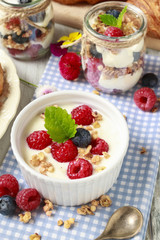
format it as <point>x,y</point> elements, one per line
<point>136,56</point>
<point>19,39</point>
<point>39,17</point>
<point>25,1</point>
<point>149,80</point>
<point>94,52</point>
<point>115,13</point>
<point>82,138</point>
<point>7,205</point>
<point>38,33</point>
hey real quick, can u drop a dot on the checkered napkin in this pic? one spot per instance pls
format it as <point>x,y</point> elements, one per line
<point>135,184</point>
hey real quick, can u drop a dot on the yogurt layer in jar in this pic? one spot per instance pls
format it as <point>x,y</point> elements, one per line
<point>113,64</point>
<point>105,129</point>
<point>26,27</point>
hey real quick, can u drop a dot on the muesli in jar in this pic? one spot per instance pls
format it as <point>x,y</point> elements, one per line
<point>113,46</point>
<point>26,27</point>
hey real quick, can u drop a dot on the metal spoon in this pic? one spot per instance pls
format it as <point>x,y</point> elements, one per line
<point>124,223</point>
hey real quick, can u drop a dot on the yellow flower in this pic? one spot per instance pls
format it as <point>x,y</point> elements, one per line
<point>71,38</point>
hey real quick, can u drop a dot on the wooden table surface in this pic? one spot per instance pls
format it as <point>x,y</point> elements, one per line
<point>32,71</point>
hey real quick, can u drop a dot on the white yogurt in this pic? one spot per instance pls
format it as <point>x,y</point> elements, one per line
<point>124,82</point>
<point>123,59</point>
<point>107,131</point>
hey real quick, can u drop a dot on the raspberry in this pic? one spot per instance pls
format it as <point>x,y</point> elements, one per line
<point>39,140</point>
<point>99,146</point>
<point>69,66</point>
<point>28,199</point>
<point>8,185</point>
<point>64,152</point>
<point>7,205</point>
<point>113,32</point>
<point>145,98</point>
<point>13,22</point>
<point>82,115</point>
<point>79,168</point>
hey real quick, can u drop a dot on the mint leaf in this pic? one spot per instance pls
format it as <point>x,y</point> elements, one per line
<point>120,17</point>
<point>59,124</point>
<point>109,20</point>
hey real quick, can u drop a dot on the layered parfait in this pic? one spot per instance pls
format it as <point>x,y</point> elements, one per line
<point>113,46</point>
<point>71,141</point>
<point>26,36</point>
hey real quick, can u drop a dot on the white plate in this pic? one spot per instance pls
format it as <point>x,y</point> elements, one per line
<point>9,108</point>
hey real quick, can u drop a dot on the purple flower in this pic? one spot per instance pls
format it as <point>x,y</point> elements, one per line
<point>56,49</point>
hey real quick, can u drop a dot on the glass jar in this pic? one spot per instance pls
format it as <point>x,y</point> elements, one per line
<point>113,64</point>
<point>26,29</point>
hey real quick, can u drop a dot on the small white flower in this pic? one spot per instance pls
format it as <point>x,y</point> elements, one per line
<point>44,89</point>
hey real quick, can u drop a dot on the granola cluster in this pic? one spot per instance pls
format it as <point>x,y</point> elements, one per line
<point>103,201</point>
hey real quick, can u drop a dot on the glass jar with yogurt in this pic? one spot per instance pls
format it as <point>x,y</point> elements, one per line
<point>26,27</point>
<point>113,64</point>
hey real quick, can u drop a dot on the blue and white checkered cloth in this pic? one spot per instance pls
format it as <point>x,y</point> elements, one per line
<point>135,184</point>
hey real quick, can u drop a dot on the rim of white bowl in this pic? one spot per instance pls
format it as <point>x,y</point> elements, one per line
<point>95,97</point>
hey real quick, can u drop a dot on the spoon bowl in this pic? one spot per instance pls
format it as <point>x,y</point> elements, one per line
<point>124,223</point>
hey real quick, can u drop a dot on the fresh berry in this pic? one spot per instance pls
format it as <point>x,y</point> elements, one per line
<point>25,1</point>
<point>7,205</point>
<point>145,98</point>
<point>94,70</point>
<point>79,168</point>
<point>82,138</point>
<point>39,140</point>
<point>82,115</point>
<point>64,152</point>
<point>113,32</point>
<point>38,33</point>
<point>70,66</point>
<point>149,80</point>
<point>28,199</point>
<point>115,13</point>
<point>8,185</point>
<point>12,23</point>
<point>99,146</point>
<point>14,51</point>
<point>19,38</point>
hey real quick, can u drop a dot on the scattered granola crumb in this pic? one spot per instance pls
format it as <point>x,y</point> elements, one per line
<point>60,222</point>
<point>96,92</point>
<point>68,223</point>
<point>99,169</point>
<point>105,201</point>
<point>124,116</point>
<point>154,109</point>
<point>95,203</point>
<point>85,210</point>
<point>42,115</point>
<point>143,150</point>
<point>48,207</point>
<point>106,155</point>
<point>35,236</point>
<point>47,150</point>
<point>96,124</point>
<point>96,159</point>
<point>25,217</point>
<point>93,208</point>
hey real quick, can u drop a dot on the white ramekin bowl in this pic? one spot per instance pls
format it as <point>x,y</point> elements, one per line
<point>78,191</point>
